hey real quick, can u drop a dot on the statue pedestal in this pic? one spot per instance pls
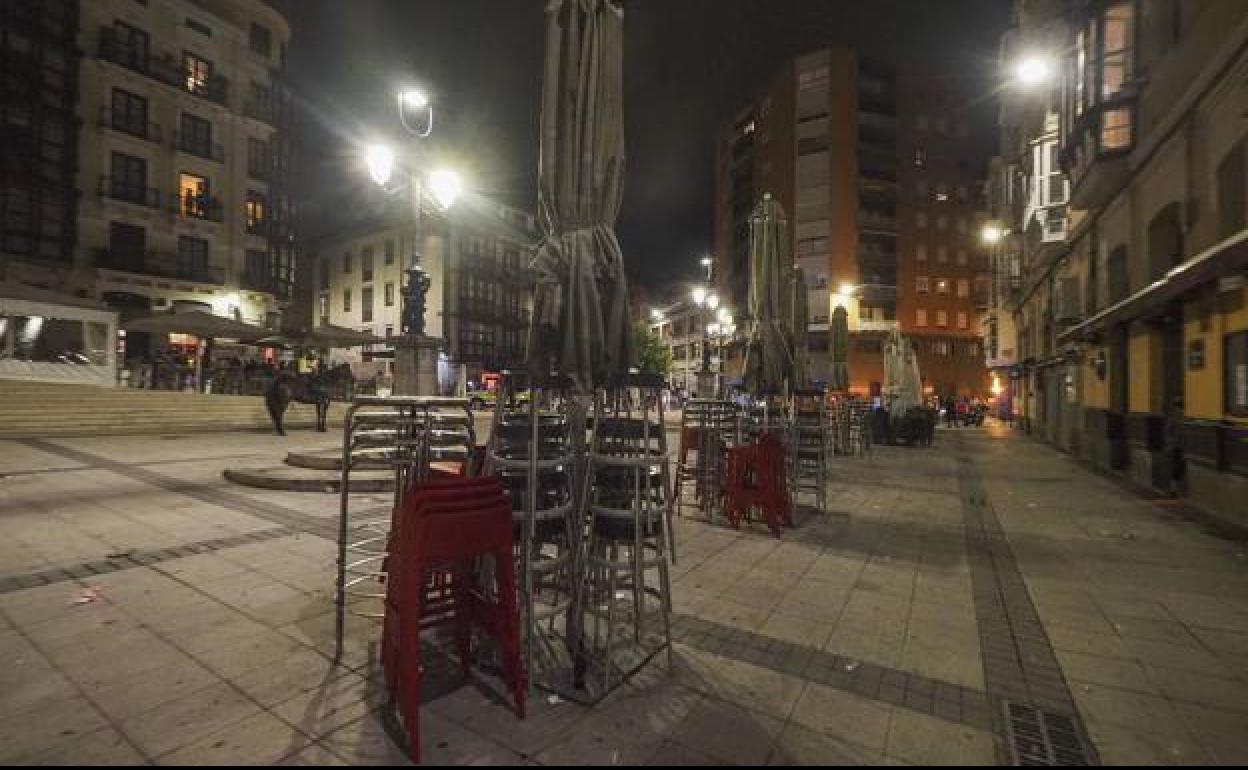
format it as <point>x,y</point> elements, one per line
<point>416,365</point>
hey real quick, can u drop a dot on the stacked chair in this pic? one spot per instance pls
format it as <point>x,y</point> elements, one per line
<point>808,460</point>
<point>707,428</point>
<point>414,436</point>
<point>450,564</point>
<point>755,483</point>
<point>622,614</point>
<point>531,452</point>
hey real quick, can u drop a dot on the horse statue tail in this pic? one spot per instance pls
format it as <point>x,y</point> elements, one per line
<point>277,396</point>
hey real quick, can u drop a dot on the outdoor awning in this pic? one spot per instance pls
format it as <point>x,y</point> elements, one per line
<point>1222,259</point>
<point>198,323</point>
<point>324,336</point>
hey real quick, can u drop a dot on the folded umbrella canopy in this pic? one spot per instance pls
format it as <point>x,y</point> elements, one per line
<point>580,325</point>
<point>198,323</point>
<point>324,336</point>
<point>838,378</point>
<point>770,364</point>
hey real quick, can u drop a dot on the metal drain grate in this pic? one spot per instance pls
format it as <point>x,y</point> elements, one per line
<point>1043,738</point>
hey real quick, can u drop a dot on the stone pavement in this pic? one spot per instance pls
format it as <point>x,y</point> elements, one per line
<point>151,612</point>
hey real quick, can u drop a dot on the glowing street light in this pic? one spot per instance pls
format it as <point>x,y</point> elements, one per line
<point>992,234</point>
<point>446,186</point>
<point>847,290</point>
<point>712,301</point>
<point>413,98</point>
<point>380,161</point>
<point>656,315</point>
<point>699,295</point>
<point>1033,70</point>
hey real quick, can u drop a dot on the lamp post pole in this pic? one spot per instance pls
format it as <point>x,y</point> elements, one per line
<point>415,352</point>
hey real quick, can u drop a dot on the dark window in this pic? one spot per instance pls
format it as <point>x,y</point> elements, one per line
<point>366,264</point>
<point>346,262</point>
<point>129,178</point>
<point>1119,279</point>
<point>389,295</point>
<point>195,135</point>
<point>192,256</point>
<point>346,300</point>
<point>1231,192</point>
<point>257,158</point>
<point>324,270</point>
<point>126,244</point>
<point>366,304</point>
<point>132,45</point>
<point>129,113</point>
<point>1235,374</point>
<point>260,39</point>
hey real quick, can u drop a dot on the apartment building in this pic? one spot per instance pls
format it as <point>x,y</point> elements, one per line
<point>834,137</point>
<point>1132,331</point>
<point>480,295</point>
<point>182,154</point>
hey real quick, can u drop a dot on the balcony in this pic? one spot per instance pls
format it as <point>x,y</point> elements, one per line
<point>121,190</point>
<point>128,124</point>
<point>199,148</point>
<point>162,67</point>
<point>205,207</point>
<point>1096,172</point>
<point>263,110</point>
<point>159,265</point>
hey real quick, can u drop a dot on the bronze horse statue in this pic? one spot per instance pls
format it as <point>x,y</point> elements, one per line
<point>300,388</point>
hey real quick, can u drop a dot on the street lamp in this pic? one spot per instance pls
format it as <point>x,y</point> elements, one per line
<point>380,161</point>
<point>1033,70</point>
<point>705,300</point>
<point>416,101</point>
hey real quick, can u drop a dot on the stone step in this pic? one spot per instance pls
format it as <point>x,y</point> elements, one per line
<point>291,479</point>
<point>328,460</point>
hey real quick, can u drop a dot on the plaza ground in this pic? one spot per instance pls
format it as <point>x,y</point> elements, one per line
<point>941,586</point>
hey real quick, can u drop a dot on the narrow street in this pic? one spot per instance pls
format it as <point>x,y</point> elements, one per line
<point>942,585</point>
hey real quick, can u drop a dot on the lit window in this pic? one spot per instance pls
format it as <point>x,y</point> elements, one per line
<point>942,286</point>
<point>1116,129</point>
<point>962,321</point>
<point>942,318</point>
<point>198,72</point>
<point>1116,49</point>
<point>920,317</point>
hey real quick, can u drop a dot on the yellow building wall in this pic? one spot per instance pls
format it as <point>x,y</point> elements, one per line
<point>1144,359</point>
<point>1222,314</point>
<point>1095,389</point>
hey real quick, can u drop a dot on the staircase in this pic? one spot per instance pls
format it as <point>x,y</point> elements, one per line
<point>40,409</point>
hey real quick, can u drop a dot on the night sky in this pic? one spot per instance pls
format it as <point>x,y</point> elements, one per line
<point>688,64</point>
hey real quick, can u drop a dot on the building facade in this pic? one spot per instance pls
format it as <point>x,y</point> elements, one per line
<point>479,298</point>
<point>182,155</point>
<point>868,161</point>
<point>38,139</point>
<point>1133,338</point>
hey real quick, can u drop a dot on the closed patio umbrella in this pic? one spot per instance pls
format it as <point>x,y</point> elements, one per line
<point>838,378</point>
<point>800,311</point>
<point>769,357</point>
<point>580,322</point>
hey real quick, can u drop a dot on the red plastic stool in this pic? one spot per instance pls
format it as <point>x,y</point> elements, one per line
<point>440,533</point>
